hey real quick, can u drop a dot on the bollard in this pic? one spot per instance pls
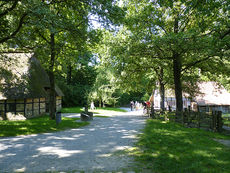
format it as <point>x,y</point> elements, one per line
<point>58,117</point>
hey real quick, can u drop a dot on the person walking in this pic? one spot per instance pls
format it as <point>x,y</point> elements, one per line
<point>92,107</point>
<point>131,105</point>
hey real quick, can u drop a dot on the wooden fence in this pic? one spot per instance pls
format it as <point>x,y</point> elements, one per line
<point>212,121</point>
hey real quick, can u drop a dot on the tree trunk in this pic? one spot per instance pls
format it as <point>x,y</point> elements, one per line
<point>52,100</point>
<point>69,74</point>
<point>177,82</point>
<point>162,89</point>
<point>100,101</point>
<point>162,94</point>
<point>177,66</point>
<point>152,114</point>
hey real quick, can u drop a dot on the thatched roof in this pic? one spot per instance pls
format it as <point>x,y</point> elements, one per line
<point>212,94</point>
<point>23,77</point>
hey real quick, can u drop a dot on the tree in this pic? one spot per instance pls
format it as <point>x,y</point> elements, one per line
<point>12,17</point>
<point>183,33</point>
<point>55,25</point>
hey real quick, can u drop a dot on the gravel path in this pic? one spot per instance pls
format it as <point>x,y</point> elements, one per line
<point>86,149</point>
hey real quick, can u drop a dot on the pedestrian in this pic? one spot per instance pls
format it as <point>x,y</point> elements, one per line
<point>92,107</point>
<point>145,107</point>
<point>131,105</point>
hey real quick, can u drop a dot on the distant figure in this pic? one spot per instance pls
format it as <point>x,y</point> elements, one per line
<point>136,105</point>
<point>92,107</point>
<point>131,105</point>
<point>144,107</point>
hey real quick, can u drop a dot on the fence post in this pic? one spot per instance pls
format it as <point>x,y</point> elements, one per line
<point>219,121</point>
<point>152,114</point>
<point>185,116</point>
<point>214,121</point>
<point>198,119</point>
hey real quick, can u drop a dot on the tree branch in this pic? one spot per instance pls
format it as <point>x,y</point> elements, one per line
<point>43,37</point>
<point>16,31</point>
<point>225,34</point>
<point>195,63</point>
<point>9,9</point>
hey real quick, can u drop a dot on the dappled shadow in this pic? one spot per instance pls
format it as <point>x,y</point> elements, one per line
<point>171,148</point>
<point>87,148</point>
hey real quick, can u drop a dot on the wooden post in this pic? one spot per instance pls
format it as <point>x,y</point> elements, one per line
<point>219,121</point>
<point>184,116</point>
<point>39,106</point>
<point>32,107</point>
<point>5,110</point>
<point>214,118</point>
<point>15,102</point>
<point>198,119</point>
<point>24,108</point>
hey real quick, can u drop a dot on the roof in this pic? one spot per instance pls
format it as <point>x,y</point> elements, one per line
<point>212,94</point>
<point>23,77</point>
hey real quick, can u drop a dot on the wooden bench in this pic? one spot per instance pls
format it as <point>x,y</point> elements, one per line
<point>86,116</point>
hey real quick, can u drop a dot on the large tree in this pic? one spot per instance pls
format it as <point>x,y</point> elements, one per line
<point>53,26</point>
<point>183,33</point>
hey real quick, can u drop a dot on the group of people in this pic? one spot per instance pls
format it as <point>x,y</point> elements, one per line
<point>135,105</point>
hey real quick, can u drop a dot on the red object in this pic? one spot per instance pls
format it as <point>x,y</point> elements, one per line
<point>148,103</point>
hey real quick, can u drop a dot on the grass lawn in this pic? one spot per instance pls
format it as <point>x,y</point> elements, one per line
<point>101,116</point>
<point>80,109</point>
<point>112,109</point>
<point>226,119</point>
<point>37,125</point>
<point>72,110</point>
<point>166,147</point>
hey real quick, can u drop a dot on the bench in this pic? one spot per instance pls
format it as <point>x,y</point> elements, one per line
<point>86,116</point>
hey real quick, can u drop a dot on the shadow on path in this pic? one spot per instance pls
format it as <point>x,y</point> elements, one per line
<point>88,148</point>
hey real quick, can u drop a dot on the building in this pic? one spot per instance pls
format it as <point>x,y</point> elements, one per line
<point>212,97</point>
<point>24,87</point>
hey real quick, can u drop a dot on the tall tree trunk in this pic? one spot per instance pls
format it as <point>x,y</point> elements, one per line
<point>69,74</point>
<point>177,82</point>
<point>177,67</point>
<point>52,100</point>
<point>152,113</point>
<point>162,95</point>
<point>162,89</point>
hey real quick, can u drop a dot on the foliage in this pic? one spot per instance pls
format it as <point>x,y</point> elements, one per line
<point>179,36</point>
<point>169,147</point>
<point>37,125</point>
<point>140,96</point>
<point>76,90</point>
<point>57,31</point>
<point>104,88</point>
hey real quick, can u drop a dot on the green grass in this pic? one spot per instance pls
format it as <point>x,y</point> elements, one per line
<point>80,109</point>
<point>112,109</point>
<point>72,110</point>
<point>101,116</point>
<point>226,118</point>
<point>37,125</point>
<point>166,147</point>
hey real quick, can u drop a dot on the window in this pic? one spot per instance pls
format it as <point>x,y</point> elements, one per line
<point>11,107</point>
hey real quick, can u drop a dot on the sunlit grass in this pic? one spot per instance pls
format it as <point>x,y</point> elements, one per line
<point>80,109</point>
<point>101,116</point>
<point>112,109</point>
<point>37,125</point>
<point>72,110</point>
<point>171,148</point>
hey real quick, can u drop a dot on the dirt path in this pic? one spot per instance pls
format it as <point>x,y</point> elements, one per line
<point>88,149</point>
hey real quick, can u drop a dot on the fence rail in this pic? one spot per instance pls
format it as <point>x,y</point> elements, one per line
<point>212,121</point>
